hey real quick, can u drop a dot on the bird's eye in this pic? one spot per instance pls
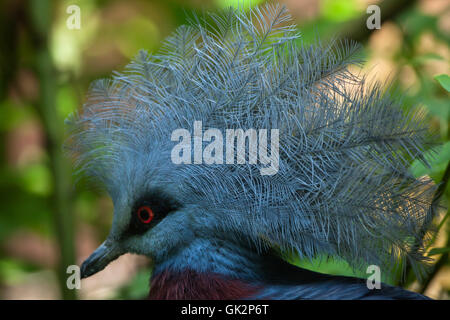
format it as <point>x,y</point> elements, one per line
<point>145,214</point>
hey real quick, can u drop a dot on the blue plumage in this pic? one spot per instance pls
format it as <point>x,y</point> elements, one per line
<point>342,187</point>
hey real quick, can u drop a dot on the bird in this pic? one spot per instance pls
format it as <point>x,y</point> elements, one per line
<point>237,145</point>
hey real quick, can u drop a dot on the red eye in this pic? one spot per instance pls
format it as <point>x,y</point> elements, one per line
<point>145,214</point>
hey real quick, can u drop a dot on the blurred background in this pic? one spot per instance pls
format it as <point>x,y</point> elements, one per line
<point>47,221</point>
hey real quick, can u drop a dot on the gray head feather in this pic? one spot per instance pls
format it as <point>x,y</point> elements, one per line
<point>343,186</point>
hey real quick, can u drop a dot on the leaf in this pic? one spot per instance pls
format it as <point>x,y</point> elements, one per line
<point>37,179</point>
<point>339,10</point>
<point>438,162</point>
<point>237,3</point>
<point>420,60</point>
<point>138,287</point>
<point>444,81</point>
<point>438,107</point>
<point>436,251</point>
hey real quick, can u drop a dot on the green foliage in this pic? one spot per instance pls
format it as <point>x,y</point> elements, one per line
<point>436,251</point>
<point>111,33</point>
<point>13,271</point>
<point>138,287</point>
<point>339,10</point>
<point>438,163</point>
<point>236,3</point>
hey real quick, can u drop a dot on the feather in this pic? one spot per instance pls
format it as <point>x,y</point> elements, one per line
<point>342,188</point>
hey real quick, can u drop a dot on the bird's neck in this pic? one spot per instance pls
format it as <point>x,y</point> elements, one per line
<point>192,285</point>
<point>207,269</point>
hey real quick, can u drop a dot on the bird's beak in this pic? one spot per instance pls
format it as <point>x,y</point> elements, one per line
<point>100,258</point>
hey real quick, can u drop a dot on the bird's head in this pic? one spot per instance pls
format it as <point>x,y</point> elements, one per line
<point>342,187</point>
<point>152,224</point>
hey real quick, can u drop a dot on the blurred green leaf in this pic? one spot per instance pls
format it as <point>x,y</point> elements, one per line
<point>420,60</point>
<point>444,81</point>
<point>13,114</point>
<point>438,162</point>
<point>436,251</point>
<point>336,266</point>
<point>136,34</point>
<point>415,23</point>
<point>438,107</point>
<point>13,271</point>
<point>138,288</point>
<point>66,101</point>
<point>37,179</point>
<point>21,209</point>
<point>238,3</point>
<point>339,10</point>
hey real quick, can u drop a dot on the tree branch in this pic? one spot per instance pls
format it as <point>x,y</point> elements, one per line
<point>39,28</point>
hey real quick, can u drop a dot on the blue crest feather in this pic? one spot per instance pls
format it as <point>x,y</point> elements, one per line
<point>343,187</point>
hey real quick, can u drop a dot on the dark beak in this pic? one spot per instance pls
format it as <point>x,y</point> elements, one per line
<point>100,258</point>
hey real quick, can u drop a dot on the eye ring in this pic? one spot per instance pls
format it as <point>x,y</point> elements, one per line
<point>145,214</point>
